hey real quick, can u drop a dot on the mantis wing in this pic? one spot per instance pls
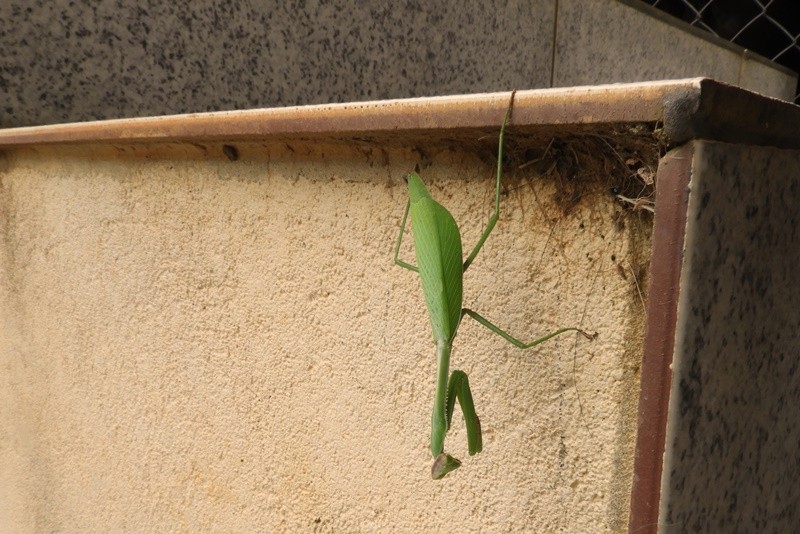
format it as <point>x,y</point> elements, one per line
<point>438,246</point>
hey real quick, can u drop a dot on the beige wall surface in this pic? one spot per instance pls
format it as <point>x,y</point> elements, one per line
<point>194,344</point>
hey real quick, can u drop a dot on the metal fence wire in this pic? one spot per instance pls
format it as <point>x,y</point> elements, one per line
<point>770,28</point>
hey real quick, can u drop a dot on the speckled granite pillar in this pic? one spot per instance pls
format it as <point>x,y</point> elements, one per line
<point>74,61</point>
<point>66,61</point>
<point>732,457</point>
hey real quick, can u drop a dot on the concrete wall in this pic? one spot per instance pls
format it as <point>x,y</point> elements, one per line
<point>65,61</point>
<point>201,344</point>
<point>733,442</point>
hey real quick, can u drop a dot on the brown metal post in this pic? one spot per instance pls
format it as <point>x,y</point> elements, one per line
<point>672,196</point>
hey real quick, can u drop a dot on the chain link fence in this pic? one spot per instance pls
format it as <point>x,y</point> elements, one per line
<point>770,28</point>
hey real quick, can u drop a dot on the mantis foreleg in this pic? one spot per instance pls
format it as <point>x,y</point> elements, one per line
<point>458,388</point>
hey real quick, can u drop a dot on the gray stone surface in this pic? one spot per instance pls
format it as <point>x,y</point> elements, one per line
<point>79,60</point>
<point>759,77</point>
<point>608,42</point>
<point>732,457</point>
<point>74,61</point>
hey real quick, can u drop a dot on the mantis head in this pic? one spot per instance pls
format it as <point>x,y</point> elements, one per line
<point>443,464</point>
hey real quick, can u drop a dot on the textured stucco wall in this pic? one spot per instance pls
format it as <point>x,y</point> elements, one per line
<point>200,344</point>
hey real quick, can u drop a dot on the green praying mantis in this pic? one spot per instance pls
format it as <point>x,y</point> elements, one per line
<point>437,243</point>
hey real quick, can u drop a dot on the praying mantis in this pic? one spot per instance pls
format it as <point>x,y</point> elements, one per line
<point>437,243</point>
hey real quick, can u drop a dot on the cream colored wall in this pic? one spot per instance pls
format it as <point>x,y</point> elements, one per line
<point>192,344</point>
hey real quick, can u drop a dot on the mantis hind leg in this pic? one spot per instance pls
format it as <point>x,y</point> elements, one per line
<point>496,214</point>
<point>516,342</point>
